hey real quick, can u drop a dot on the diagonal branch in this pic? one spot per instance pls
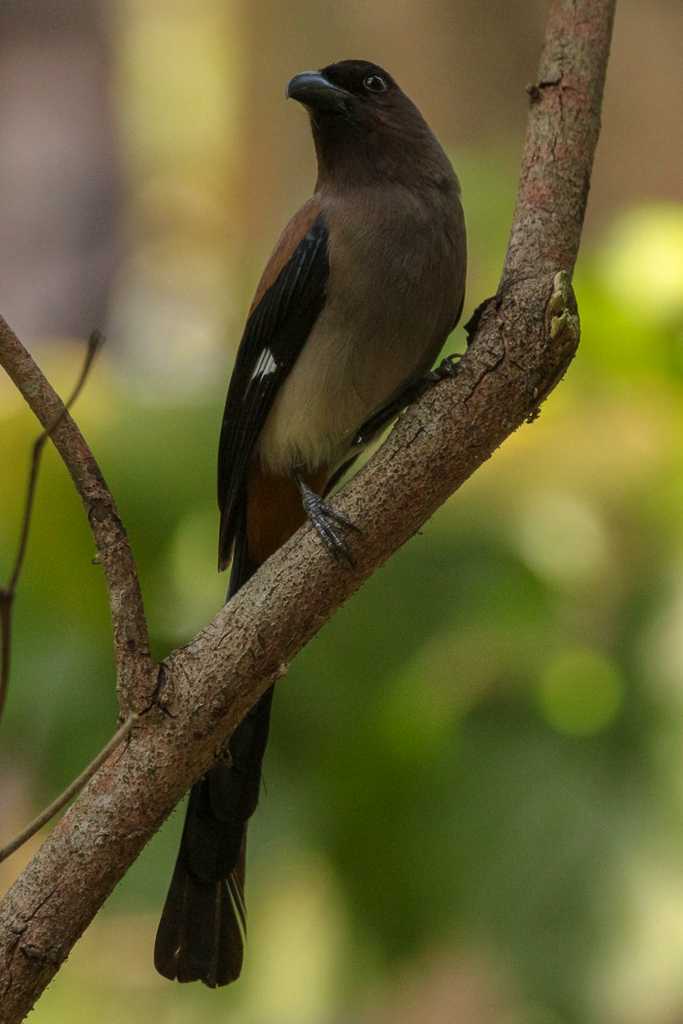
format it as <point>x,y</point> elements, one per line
<point>8,592</point>
<point>522,343</point>
<point>135,677</point>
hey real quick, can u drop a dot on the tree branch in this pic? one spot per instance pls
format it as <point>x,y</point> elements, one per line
<point>8,592</point>
<point>522,344</point>
<point>71,790</point>
<point>136,676</point>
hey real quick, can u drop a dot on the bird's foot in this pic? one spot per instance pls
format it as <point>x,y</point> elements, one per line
<point>328,523</point>
<point>446,370</point>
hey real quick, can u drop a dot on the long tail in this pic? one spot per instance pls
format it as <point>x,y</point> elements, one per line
<point>202,931</point>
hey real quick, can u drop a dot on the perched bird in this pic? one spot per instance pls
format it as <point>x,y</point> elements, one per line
<point>362,289</point>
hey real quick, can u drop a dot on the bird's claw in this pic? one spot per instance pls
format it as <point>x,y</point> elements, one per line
<point>446,369</point>
<point>329,524</point>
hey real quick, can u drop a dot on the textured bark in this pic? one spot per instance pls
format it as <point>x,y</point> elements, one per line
<point>522,344</point>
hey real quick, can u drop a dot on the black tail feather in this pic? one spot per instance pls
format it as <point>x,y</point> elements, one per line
<point>202,931</point>
<point>200,935</point>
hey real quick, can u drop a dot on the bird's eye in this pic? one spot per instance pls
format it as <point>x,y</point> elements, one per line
<point>375,83</point>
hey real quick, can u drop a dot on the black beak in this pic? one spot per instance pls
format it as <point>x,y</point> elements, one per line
<point>317,92</point>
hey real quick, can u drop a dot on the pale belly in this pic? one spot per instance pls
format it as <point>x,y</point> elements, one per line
<point>337,383</point>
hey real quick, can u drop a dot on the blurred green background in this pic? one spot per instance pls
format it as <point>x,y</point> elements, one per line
<point>473,807</point>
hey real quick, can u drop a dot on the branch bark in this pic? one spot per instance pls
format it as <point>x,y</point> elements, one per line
<point>522,344</point>
<point>135,674</point>
<point>8,592</point>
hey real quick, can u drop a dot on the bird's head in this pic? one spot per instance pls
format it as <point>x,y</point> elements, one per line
<point>365,128</point>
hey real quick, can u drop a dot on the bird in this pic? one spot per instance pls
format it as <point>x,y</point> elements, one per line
<point>357,300</point>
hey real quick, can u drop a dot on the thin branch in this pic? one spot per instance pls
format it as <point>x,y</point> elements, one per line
<point>520,347</point>
<point>7,593</point>
<point>136,674</point>
<point>72,790</point>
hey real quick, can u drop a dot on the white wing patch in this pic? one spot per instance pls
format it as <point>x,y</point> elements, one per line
<point>265,366</point>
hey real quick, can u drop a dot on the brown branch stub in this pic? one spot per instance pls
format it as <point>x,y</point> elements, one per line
<point>135,672</point>
<point>521,345</point>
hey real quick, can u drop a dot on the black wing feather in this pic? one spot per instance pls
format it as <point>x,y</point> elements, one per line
<point>273,338</point>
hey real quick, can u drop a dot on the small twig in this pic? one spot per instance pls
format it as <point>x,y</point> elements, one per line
<point>95,342</point>
<point>8,592</point>
<point>71,790</point>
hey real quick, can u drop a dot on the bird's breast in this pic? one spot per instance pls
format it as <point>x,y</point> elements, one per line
<point>394,291</point>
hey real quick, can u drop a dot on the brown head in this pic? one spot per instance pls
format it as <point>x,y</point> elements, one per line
<point>366,130</point>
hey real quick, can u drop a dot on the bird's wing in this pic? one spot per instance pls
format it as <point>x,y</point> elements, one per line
<point>288,301</point>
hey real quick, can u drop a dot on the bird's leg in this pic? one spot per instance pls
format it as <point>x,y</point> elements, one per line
<point>446,369</point>
<point>328,523</point>
<point>384,416</point>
